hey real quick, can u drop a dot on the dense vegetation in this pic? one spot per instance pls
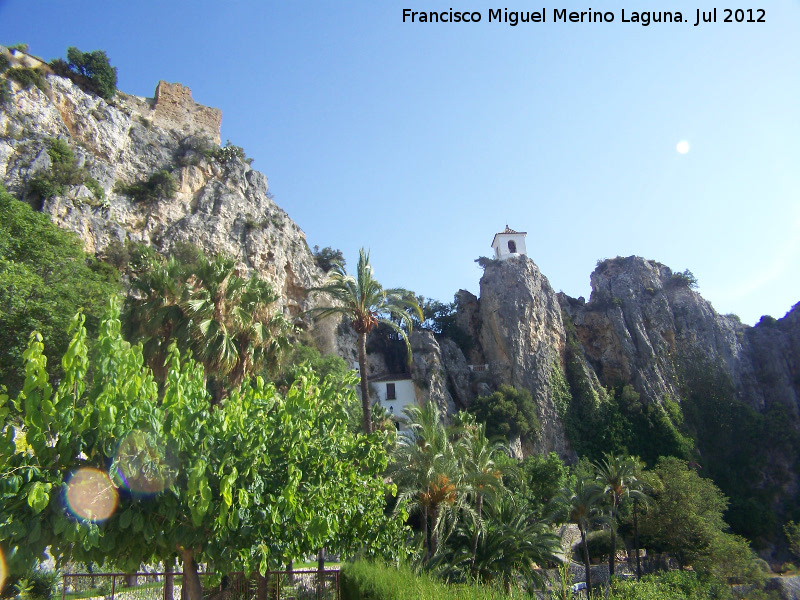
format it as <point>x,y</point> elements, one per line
<point>45,277</point>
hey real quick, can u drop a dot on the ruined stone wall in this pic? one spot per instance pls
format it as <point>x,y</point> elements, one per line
<point>174,108</point>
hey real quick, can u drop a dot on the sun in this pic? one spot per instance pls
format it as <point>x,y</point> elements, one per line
<point>682,147</point>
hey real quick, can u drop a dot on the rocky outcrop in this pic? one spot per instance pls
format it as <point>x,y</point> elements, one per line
<point>428,372</point>
<point>522,338</point>
<point>644,325</point>
<point>221,204</point>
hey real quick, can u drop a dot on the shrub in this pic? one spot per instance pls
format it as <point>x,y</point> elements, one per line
<point>599,543</point>
<point>95,187</point>
<point>230,152</point>
<point>5,91</point>
<point>159,185</point>
<point>508,412</point>
<point>328,258</point>
<point>193,148</point>
<point>685,278</point>
<point>64,172</point>
<point>42,584</point>
<point>27,77</point>
<point>4,63</point>
<point>676,585</point>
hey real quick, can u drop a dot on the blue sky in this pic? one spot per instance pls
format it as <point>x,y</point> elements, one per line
<point>421,141</point>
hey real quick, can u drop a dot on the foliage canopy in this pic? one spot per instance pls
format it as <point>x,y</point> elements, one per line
<point>263,478</point>
<point>45,277</point>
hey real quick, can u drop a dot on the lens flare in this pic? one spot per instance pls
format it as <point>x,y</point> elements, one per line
<point>143,464</point>
<point>2,571</point>
<point>91,495</point>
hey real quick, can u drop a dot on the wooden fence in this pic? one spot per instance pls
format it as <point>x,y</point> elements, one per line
<point>274,585</point>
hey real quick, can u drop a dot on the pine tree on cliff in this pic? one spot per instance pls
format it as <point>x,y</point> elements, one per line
<point>364,301</point>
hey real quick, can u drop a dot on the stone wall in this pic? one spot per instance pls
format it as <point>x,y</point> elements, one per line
<point>174,108</point>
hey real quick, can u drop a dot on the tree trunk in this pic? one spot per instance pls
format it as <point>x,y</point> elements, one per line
<point>366,406</point>
<point>320,572</point>
<point>425,543</point>
<point>479,509</point>
<point>290,568</point>
<point>169,578</point>
<point>434,530</point>
<point>613,556</point>
<point>586,563</point>
<point>191,580</point>
<point>636,539</point>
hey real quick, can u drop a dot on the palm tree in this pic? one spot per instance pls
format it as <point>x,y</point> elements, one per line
<point>581,505</point>
<point>364,301</point>
<point>618,477</point>
<point>429,477</point>
<point>483,473</point>
<point>154,312</point>
<point>235,329</point>
<point>512,542</point>
<point>228,321</point>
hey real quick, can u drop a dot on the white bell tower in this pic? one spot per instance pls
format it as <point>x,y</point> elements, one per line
<point>509,243</point>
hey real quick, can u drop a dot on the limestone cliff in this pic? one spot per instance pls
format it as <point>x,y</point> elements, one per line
<point>644,325</point>
<point>221,205</point>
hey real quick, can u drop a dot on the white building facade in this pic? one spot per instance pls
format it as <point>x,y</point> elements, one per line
<point>509,243</point>
<point>395,393</point>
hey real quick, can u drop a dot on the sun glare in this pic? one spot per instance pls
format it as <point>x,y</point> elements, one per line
<point>682,147</point>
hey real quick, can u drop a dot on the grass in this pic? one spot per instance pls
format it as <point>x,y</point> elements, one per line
<point>365,580</point>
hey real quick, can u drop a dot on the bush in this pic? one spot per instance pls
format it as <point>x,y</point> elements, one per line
<point>685,278</point>
<point>94,186</point>
<point>230,152</point>
<point>599,543</point>
<point>27,77</point>
<point>508,412</point>
<point>159,185</point>
<point>64,172</point>
<point>4,63</point>
<point>5,91</point>
<point>42,584</point>
<point>675,585</point>
<point>328,258</point>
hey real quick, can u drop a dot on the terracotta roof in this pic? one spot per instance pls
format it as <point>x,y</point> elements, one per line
<point>507,230</point>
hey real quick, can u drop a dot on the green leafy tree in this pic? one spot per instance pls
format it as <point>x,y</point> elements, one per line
<point>94,66</point>
<point>145,479</point>
<point>686,514</point>
<point>363,301</point>
<point>792,531</point>
<point>541,477</point>
<point>45,278</point>
<point>508,412</point>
